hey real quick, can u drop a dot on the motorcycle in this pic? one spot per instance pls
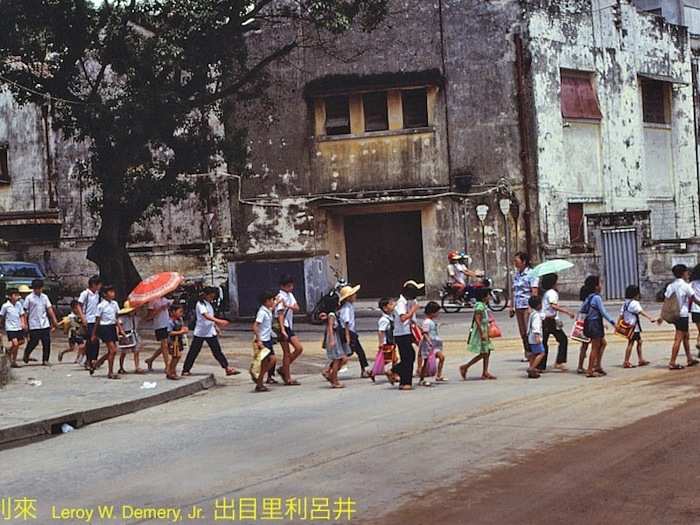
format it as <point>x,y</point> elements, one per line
<point>315,317</point>
<point>453,302</point>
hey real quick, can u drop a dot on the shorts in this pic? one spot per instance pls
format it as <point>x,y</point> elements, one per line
<point>290,334</point>
<point>161,334</point>
<point>76,340</point>
<point>536,348</point>
<point>636,336</point>
<point>269,345</point>
<point>696,317</point>
<point>682,324</point>
<point>108,333</point>
<point>15,334</point>
<point>594,328</point>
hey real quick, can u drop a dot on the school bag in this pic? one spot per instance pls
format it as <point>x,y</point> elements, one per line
<point>622,327</point>
<point>671,310</point>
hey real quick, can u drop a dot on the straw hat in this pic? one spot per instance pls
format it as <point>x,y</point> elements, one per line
<point>24,289</point>
<point>127,308</point>
<point>348,291</point>
<point>418,286</point>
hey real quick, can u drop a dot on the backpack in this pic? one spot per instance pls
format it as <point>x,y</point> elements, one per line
<point>671,310</point>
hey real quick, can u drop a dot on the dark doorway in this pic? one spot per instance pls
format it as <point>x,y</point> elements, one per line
<point>255,277</point>
<point>384,250</point>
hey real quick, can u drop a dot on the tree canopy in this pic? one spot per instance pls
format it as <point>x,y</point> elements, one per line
<point>140,82</point>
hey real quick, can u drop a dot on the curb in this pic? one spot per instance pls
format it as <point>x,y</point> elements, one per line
<point>49,426</point>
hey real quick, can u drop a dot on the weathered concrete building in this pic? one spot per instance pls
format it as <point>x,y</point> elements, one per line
<point>573,117</point>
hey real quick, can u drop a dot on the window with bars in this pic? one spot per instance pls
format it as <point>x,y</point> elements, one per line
<point>337,115</point>
<point>375,109</point>
<point>414,104</point>
<point>655,101</point>
<point>578,97</point>
<point>4,168</point>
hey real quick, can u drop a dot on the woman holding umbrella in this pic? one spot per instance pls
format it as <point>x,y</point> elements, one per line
<point>207,329</point>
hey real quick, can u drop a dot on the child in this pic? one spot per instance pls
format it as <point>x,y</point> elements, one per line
<point>431,342</point>
<point>337,351</point>
<point>387,348</point>
<point>551,324</point>
<point>479,341</point>
<point>348,294</point>
<point>176,333</point>
<point>41,319</point>
<point>685,294</point>
<point>630,311</point>
<point>131,342</point>
<point>594,312</point>
<point>73,327</point>
<point>534,337</point>
<point>262,328</point>
<point>292,348</point>
<point>108,328</point>
<point>404,319</point>
<point>14,321</point>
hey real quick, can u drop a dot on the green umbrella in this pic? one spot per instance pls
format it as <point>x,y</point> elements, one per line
<point>553,266</point>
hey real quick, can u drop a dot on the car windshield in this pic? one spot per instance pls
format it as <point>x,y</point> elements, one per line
<point>20,270</point>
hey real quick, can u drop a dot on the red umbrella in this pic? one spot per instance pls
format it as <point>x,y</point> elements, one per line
<point>154,287</point>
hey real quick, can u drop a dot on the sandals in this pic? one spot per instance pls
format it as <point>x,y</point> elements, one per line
<point>149,364</point>
<point>643,363</point>
<point>337,385</point>
<point>463,372</point>
<point>139,371</point>
<point>580,371</point>
<point>441,379</point>
<point>693,362</point>
<point>627,364</point>
<point>293,382</point>
<point>121,371</point>
<point>601,372</point>
<point>594,374</point>
<point>186,374</point>
<point>406,387</point>
<point>371,376</point>
<point>533,373</point>
<point>232,372</point>
<point>272,381</point>
<point>425,382</point>
<point>391,378</point>
<point>172,378</point>
<point>676,367</point>
<point>488,376</point>
<point>261,388</point>
<point>113,376</point>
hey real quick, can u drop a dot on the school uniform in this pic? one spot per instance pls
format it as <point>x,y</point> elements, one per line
<point>264,319</point>
<point>75,330</point>
<point>534,331</point>
<point>339,349</point>
<point>684,294</point>
<point>89,301</point>
<point>204,330</point>
<point>37,308</point>
<point>630,311</point>
<point>161,318</point>
<point>347,318</point>
<point>108,313</point>
<point>551,325</point>
<point>175,342</point>
<point>288,299</point>
<point>12,314</point>
<point>404,340</point>
<point>694,308</point>
<point>430,327</point>
<point>595,312</point>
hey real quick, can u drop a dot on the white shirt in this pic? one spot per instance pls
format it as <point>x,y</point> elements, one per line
<point>89,301</point>
<point>162,317</point>
<point>37,307</point>
<point>683,292</point>
<point>288,300</point>
<point>204,327</point>
<point>264,319</point>
<point>383,325</point>
<point>12,313</point>
<point>696,287</point>
<point>456,272</point>
<point>402,307</point>
<point>630,311</point>
<point>550,297</point>
<point>108,311</point>
<point>347,316</point>
<point>534,328</point>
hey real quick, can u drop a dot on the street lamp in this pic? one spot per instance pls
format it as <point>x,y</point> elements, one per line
<point>482,211</point>
<point>210,225</point>
<point>505,204</point>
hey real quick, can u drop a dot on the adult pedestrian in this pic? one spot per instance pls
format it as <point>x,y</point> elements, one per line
<point>207,329</point>
<point>551,323</point>
<point>404,317</point>
<point>88,301</point>
<point>41,320</point>
<point>525,285</point>
<point>292,348</point>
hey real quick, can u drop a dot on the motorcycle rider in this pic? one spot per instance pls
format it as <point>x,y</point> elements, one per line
<point>459,272</point>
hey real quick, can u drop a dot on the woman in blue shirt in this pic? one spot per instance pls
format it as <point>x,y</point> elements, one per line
<point>524,286</point>
<point>594,312</point>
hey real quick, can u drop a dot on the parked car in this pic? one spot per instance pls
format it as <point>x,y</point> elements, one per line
<point>13,274</point>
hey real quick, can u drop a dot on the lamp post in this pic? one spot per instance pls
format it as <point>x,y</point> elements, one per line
<point>482,211</point>
<point>504,205</point>
<point>210,224</point>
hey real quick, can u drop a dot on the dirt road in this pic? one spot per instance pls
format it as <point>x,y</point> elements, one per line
<point>644,473</point>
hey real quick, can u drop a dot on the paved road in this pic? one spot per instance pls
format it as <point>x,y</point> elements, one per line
<point>369,442</point>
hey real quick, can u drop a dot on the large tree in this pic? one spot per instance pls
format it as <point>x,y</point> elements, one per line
<point>140,80</point>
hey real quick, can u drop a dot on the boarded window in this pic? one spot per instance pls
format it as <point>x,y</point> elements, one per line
<point>578,99</point>
<point>577,234</point>
<point>4,170</point>
<point>337,115</point>
<point>415,108</point>
<point>375,108</point>
<point>654,101</point>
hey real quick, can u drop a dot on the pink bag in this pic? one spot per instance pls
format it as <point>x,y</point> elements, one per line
<point>378,368</point>
<point>577,332</point>
<point>431,363</point>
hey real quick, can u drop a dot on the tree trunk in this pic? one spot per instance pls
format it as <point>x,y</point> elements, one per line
<point>109,252</point>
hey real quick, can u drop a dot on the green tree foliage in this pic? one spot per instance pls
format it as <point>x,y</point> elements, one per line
<point>140,81</point>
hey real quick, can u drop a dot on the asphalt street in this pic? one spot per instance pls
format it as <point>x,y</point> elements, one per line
<point>369,442</point>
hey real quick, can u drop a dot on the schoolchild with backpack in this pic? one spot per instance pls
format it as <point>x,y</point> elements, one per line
<point>594,312</point>
<point>676,311</point>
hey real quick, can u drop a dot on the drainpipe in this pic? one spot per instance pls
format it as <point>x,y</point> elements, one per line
<point>447,110</point>
<point>47,151</point>
<point>525,138</point>
<point>696,101</point>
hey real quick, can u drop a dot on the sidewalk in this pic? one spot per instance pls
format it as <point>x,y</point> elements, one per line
<point>39,400</point>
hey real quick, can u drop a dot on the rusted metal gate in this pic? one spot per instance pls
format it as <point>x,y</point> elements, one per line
<point>621,264</point>
<point>384,250</point>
